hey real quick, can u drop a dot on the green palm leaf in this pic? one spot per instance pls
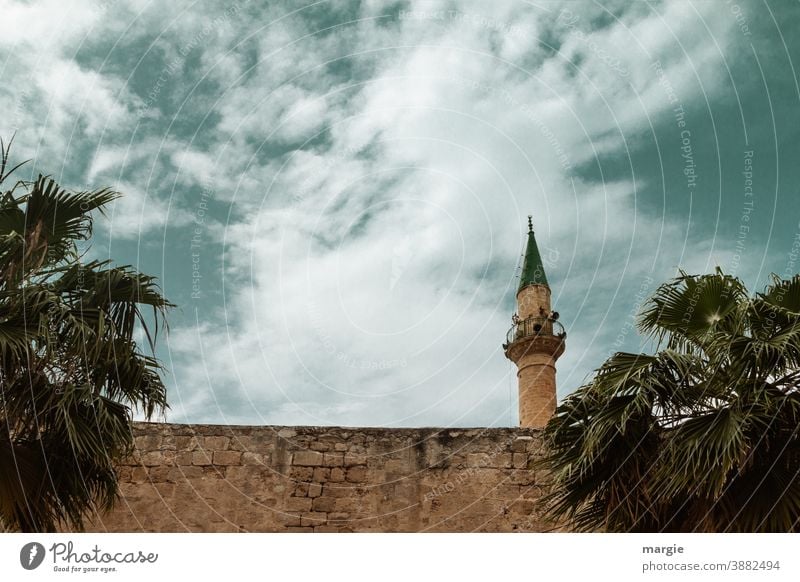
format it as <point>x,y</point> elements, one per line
<point>70,371</point>
<point>702,435</point>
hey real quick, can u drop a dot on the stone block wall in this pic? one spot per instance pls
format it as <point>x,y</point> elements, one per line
<point>205,478</point>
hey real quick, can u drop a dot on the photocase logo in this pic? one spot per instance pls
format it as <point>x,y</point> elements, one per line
<point>31,555</point>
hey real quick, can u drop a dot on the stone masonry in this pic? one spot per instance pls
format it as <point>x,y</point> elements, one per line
<point>205,478</point>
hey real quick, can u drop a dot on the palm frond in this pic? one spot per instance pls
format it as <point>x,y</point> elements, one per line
<point>71,372</point>
<point>701,436</point>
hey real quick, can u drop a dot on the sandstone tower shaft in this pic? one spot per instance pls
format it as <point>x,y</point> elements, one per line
<point>535,341</point>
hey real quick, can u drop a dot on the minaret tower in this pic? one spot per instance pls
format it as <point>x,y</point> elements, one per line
<point>535,341</point>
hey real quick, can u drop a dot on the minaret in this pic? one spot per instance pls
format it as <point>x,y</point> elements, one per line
<point>535,341</point>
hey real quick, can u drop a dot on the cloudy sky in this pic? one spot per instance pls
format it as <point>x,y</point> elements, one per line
<point>335,193</point>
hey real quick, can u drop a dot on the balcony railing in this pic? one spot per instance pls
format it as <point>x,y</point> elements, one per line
<point>532,326</point>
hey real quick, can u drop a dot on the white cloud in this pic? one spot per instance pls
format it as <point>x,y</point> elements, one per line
<point>369,276</point>
<point>137,214</point>
<point>40,25</point>
<point>400,256</point>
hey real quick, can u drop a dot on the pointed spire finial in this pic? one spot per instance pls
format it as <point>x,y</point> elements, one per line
<point>532,265</point>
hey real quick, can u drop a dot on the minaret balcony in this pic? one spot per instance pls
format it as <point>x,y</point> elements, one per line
<point>544,327</point>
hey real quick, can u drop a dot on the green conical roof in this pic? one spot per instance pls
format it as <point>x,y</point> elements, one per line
<point>532,267</point>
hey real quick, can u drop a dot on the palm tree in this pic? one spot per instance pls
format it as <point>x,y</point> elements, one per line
<point>71,372</point>
<point>703,436</point>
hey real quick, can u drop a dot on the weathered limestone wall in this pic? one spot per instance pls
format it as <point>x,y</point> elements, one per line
<point>326,479</point>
